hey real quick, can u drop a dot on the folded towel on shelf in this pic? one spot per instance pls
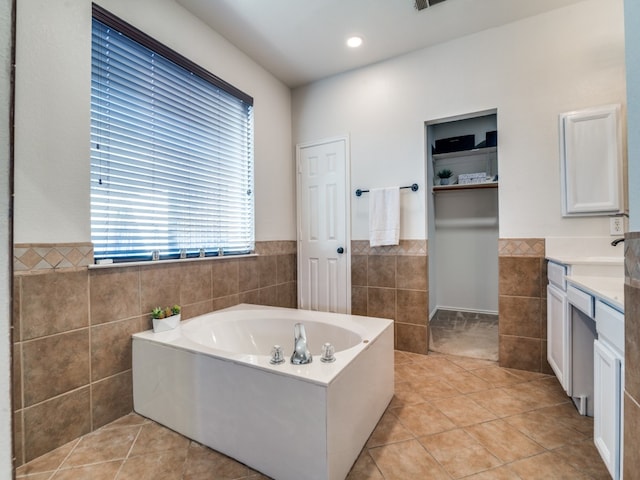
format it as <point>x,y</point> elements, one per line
<point>384,216</point>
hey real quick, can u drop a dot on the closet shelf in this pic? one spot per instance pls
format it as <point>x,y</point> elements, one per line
<point>464,153</point>
<point>471,186</point>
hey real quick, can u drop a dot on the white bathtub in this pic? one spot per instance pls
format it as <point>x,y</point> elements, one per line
<point>211,381</point>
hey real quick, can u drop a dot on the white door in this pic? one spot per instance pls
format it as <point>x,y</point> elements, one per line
<point>324,281</point>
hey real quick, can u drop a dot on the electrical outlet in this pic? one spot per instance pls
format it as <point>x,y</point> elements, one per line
<point>616,225</point>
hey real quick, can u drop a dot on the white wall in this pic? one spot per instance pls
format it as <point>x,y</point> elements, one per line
<point>632,32</point>
<point>53,105</point>
<point>52,121</point>
<point>530,71</point>
<point>6,453</point>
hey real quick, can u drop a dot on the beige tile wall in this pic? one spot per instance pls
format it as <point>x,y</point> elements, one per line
<point>522,305</point>
<point>392,282</point>
<point>73,326</point>
<point>632,355</point>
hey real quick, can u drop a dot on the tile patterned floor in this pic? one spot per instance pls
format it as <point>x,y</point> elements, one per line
<point>451,417</point>
<point>469,334</point>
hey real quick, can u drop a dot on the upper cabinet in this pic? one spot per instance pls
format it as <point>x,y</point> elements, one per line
<point>591,162</point>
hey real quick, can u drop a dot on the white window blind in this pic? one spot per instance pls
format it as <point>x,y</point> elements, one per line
<point>171,155</point>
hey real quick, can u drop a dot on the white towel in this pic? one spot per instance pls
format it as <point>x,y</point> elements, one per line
<point>384,216</point>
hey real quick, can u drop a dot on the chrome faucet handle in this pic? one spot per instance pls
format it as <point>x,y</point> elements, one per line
<point>277,355</point>
<point>328,353</point>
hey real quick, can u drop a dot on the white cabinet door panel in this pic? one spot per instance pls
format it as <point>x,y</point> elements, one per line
<point>558,353</point>
<point>606,416</point>
<point>591,161</point>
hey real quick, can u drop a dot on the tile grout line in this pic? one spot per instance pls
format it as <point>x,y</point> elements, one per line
<point>124,460</point>
<point>90,362</point>
<point>78,440</point>
<point>186,459</point>
<point>22,382</point>
<point>73,390</point>
<point>55,334</point>
<point>91,463</point>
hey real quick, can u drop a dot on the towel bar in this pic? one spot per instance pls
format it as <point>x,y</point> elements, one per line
<point>414,188</point>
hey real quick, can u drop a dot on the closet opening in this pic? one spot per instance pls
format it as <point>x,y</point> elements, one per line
<point>463,221</point>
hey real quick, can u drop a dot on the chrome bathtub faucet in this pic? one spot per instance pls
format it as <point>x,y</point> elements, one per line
<point>301,353</point>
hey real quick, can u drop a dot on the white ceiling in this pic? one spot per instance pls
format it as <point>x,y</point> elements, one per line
<point>300,41</point>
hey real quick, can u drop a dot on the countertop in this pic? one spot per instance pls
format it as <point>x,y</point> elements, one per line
<point>608,289</point>
<point>600,276</point>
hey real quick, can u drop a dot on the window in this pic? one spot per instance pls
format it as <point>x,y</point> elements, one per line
<point>171,152</point>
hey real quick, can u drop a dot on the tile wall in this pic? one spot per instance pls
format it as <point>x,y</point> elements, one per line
<point>72,327</point>
<point>392,282</point>
<point>522,305</point>
<point>632,356</point>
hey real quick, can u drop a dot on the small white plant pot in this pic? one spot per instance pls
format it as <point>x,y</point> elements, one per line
<point>166,324</point>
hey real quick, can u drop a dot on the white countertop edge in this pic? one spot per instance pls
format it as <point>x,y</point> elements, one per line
<point>568,260</point>
<point>608,289</point>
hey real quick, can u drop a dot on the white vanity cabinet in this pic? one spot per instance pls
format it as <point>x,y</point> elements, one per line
<point>558,341</point>
<point>585,335</point>
<point>608,386</point>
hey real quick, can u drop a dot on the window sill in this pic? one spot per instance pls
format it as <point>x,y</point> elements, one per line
<point>145,263</point>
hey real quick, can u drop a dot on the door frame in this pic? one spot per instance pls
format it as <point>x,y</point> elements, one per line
<point>347,203</point>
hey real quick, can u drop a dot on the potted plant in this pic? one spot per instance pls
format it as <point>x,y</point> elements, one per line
<point>166,318</point>
<point>444,175</point>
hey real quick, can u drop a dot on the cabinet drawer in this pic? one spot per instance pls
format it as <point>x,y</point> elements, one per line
<point>556,273</point>
<point>610,325</point>
<point>581,300</point>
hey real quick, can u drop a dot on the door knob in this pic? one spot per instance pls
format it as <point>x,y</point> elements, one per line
<point>340,250</point>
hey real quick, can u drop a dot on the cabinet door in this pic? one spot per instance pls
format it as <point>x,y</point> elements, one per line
<point>606,405</point>
<point>558,335</point>
<point>591,161</point>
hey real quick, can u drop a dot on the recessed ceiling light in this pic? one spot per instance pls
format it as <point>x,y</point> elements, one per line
<point>354,41</point>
